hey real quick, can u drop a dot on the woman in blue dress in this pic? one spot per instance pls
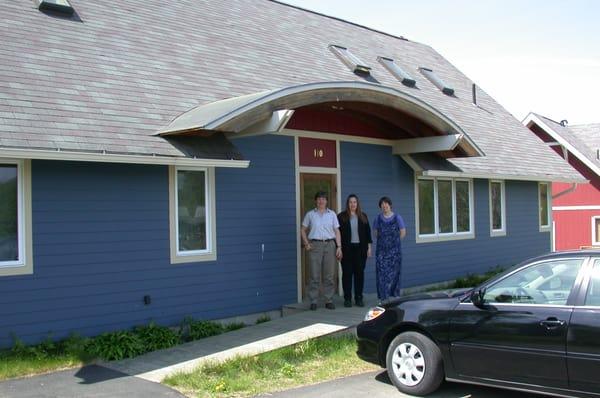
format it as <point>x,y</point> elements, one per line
<point>389,230</point>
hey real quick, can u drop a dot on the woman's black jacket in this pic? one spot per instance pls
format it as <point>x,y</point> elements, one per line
<point>364,234</point>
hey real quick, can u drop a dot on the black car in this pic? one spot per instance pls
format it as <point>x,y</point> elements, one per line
<point>535,327</point>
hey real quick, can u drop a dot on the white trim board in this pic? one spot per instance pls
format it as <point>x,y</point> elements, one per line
<point>24,265</point>
<point>17,153</point>
<point>210,254</point>
<point>313,170</point>
<point>593,238</point>
<point>322,135</point>
<point>570,208</point>
<point>454,174</point>
<point>413,164</point>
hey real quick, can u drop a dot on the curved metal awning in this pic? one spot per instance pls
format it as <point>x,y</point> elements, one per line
<point>234,115</point>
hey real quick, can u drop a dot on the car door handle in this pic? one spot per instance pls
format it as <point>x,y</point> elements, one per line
<point>552,323</point>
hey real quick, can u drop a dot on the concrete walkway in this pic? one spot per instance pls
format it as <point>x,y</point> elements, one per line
<point>251,340</point>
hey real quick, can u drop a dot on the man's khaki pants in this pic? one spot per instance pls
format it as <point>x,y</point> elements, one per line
<point>322,260</point>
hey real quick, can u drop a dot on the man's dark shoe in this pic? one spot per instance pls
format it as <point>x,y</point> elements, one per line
<point>330,306</point>
<point>313,307</point>
<point>347,303</point>
<point>360,302</point>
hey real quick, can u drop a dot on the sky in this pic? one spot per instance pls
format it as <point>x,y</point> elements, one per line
<point>530,55</point>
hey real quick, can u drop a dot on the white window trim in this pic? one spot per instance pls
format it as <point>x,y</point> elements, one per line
<point>24,266</point>
<point>500,231</point>
<point>437,236</point>
<point>595,239</point>
<point>210,254</point>
<point>545,228</point>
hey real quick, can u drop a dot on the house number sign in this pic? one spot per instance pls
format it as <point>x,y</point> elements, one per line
<point>315,152</point>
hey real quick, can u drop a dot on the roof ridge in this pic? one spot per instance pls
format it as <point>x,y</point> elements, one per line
<point>585,124</point>
<point>547,118</point>
<point>341,20</point>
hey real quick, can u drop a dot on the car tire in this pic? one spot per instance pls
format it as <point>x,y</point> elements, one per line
<point>414,364</point>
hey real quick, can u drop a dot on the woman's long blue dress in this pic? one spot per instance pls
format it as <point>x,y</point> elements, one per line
<point>388,264</point>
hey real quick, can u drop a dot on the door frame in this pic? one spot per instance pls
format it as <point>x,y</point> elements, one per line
<point>313,170</point>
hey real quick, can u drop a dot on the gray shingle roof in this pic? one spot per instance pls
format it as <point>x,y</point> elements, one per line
<point>584,138</point>
<point>112,81</point>
<point>589,134</point>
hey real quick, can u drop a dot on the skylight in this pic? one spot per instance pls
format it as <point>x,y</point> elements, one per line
<point>397,71</point>
<point>355,64</point>
<point>439,83</point>
<point>62,6</point>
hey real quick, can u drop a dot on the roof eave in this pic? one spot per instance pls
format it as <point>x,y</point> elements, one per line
<point>42,154</point>
<point>493,176</point>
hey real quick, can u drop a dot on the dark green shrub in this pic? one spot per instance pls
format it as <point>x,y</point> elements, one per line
<point>155,337</point>
<point>263,318</point>
<point>76,346</point>
<point>201,329</point>
<point>19,349</point>
<point>116,345</point>
<point>45,349</point>
<point>234,326</point>
<point>472,280</point>
<point>194,330</point>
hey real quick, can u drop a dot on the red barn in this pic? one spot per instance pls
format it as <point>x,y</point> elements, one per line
<point>575,207</point>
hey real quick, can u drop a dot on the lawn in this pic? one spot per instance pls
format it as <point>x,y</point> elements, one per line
<point>309,362</point>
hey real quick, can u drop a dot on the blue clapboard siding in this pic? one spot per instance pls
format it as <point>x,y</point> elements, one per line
<point>371,171</point>
<point>101,242</point>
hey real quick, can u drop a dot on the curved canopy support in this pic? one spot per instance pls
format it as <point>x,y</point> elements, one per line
<point>236,114</point>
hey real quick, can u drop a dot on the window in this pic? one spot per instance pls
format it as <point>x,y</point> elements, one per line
<point>548,282</point>
<point>15,218</point>
<point>593,294</point>
<point>497,208</point>
<point>544,202</point>
<point>596,230</point>
<point>192,214</point>
<point>444,209</point>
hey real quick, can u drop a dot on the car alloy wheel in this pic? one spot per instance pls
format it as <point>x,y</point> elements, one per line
<point>414,363</point>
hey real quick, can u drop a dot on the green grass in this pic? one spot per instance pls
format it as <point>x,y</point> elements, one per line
<point>308,362</point>
<point>11,367</point>
<point>48,356</point>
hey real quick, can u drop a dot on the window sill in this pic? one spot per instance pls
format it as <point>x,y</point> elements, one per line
<point>494,234</point>
<point>444,238</point>
<point>10,270</point>
<point>194,258</point>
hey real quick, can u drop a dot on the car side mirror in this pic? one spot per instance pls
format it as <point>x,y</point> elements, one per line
<point>477,297</point>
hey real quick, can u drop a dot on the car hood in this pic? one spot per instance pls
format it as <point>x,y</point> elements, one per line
<point>438,294</point>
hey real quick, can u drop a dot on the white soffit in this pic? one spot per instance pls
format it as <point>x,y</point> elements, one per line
<point>273,124</point>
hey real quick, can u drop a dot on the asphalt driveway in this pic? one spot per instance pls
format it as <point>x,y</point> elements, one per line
<point>378,385</point>
<point>90,382</point>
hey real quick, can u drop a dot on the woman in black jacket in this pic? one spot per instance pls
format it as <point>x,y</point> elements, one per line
<point>356,247</point>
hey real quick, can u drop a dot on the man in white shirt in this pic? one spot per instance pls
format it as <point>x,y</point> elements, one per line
<point>321,237</point>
